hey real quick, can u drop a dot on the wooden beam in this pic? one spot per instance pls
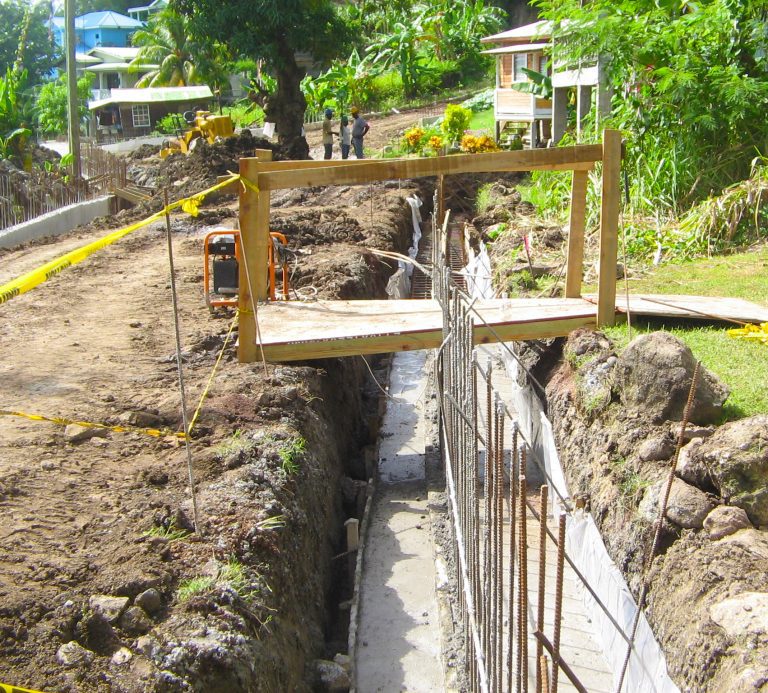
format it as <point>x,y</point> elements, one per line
<point>254,245</point>
<point>609,227</point>
<point>286,175</point>
<point>575,266</point>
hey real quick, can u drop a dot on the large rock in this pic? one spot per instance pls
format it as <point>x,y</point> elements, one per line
<point>744,614</point>
<point>330,676</point>
<point>735,458</point>
<point>110,608</point>
<point>135,621</point>
<point>72,654</point>
<point>725,520</point>
<point>654,375</point>
<point>688,506</point>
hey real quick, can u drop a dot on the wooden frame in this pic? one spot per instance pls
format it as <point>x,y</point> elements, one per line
<point>269,175</point>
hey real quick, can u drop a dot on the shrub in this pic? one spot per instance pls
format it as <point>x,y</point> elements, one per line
<point>476,145</point>
<point>413,140</point>
<point>455,122</point>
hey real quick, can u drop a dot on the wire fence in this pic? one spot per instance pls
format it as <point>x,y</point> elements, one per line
<point>27,195</point>
<point>500,527</point>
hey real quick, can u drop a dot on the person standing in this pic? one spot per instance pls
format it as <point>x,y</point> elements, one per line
<point>328,134</point>
<point>359,131</point>
<point>345,137</point>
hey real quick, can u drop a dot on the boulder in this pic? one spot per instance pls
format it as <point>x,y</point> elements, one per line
<point>135,621</point>
<point>330,676</point>
<point>725,520</point>
<point>75,433</point>
<point>656,449</point>
<point>110,608</point>
<point>122,656</point>
<point>690,468</point>
<point>654,376</point>
<point>150,600</point>
<point>72,654</point>
<point>688,506</point>
<point>742,615</point>
<point>752,541</point>
<point>735,458</point>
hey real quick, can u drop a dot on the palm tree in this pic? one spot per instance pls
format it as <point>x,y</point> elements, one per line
<point>166,42</point>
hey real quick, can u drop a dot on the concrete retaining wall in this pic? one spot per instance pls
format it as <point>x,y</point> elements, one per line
<point>56,223</point>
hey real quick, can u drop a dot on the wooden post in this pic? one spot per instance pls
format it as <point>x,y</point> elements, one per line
<point>254,244</point>
<point>575,262</point>
<point>609,225</point>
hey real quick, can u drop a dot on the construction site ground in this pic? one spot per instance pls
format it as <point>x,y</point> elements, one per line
<point>99,517</point>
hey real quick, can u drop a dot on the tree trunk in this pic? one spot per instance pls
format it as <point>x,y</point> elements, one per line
<point>286,108</point>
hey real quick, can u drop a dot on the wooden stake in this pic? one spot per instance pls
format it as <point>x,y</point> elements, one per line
<point>609,226</point>
<point>575,266</point>
<point>254,243</point>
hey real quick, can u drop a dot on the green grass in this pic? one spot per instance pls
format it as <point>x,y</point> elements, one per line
<point>483,120</point>
<point>290,452</point>
<point>194,586</point>
<point>740,364</point>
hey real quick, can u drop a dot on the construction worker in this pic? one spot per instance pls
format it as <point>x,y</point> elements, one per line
<point>328,134</point>
<point>359,130</point>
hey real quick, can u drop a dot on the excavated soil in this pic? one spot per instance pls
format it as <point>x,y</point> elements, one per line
<point>104,585</point>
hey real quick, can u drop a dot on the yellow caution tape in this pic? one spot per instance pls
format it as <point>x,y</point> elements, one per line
<point>154,432</point>
<point>210,378</point>
<point>7,688</point>
<point>29,281</point>
<point>753,333</point>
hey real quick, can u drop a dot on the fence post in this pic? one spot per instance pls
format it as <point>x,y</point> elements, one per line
<point>254,244</point>
<point>609,224</point>
<point>575,266</point>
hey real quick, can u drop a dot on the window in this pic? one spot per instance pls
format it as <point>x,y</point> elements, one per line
<point>544,65</point>
<point>141,116</point>
<point>521,61</point>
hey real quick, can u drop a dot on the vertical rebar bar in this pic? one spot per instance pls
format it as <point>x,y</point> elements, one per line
<point>543,674</point>
<point>542,576</point>
<point>523,572</point>
<point>558,602</point>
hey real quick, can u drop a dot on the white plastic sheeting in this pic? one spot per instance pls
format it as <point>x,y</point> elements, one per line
<point>477,274</point>
<point>647,670</point>
<point>399,284</point>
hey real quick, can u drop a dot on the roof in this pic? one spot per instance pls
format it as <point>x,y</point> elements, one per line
<point>106,20</point>
<point>154,95</point>
<point>156,5</point>
<point>85,59</point>
<point>519,48</point>
<point>540,30</point>
<point>120,67</point>
<point>122,54</point>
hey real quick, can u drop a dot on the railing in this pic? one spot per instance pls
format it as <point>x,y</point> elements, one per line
<point>105,172</point>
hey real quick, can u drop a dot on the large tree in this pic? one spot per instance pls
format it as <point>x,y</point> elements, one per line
<point>25,34</point>
<point>274,31</point>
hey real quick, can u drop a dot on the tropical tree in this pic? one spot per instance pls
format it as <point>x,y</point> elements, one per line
<point>16,112</point>
<point>166,43</point>
<point>275,33</point>
<point>52,104</point>
<point>691,84</point>
<point>25,36</point>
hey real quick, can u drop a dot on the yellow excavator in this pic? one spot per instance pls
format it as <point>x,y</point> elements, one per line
<point>201,125</point>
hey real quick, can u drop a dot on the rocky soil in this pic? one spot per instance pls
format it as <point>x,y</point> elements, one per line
<point>105,584</point>
<point>617,420</point>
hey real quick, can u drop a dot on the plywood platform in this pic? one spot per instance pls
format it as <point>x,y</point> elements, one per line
<point>293,331</point>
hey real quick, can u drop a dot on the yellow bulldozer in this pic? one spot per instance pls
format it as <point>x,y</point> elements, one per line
<point>200,125</point>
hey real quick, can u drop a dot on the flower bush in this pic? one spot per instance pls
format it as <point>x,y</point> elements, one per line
<point>413,140</point>
<point>477,145</point>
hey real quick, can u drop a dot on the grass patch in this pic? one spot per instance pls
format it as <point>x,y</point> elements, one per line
<point>290,452</point>
<point>483,120</point>
<point>194,586</point>
<point>741,365</point>
<point>171,533</point>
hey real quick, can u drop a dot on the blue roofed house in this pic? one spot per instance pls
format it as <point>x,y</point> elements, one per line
<point>96,29</point>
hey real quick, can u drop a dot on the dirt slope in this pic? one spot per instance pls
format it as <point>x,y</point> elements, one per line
<point>94,519</point>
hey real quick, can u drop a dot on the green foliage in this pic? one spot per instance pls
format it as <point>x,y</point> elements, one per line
<point>691,83</point>
<point>25,34</point>
<point>455,122</point>
<point>538,84</point>
<point>346,83</point>
<point>171,532</point>
<point>290,452</point>
<point>52,104</point>
<point>170,124</point>
<point>193,587</point>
